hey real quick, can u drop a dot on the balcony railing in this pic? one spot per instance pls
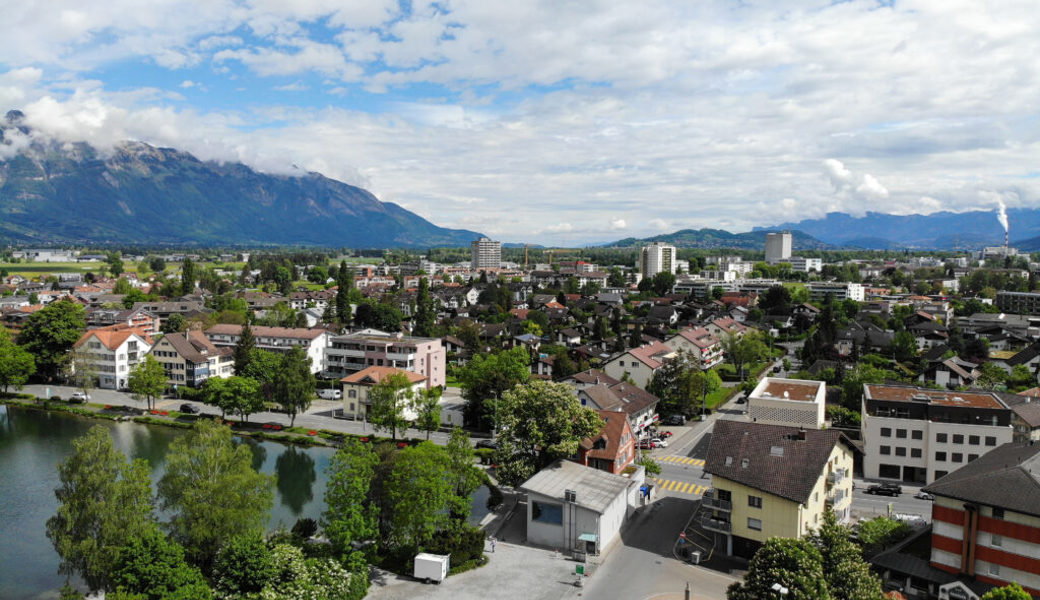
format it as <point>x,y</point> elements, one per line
<point>835,477</point>
<point>710,500</point>
<point>711,524</point>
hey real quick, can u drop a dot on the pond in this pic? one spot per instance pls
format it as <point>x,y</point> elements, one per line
<point>32,443</point>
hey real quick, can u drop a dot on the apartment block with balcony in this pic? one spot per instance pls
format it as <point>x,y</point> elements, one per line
<point>485,253</point>
<point>110,353</point>
<point>657,258</point>
<point>917,435</point>
<point>701,344</point>
<point>189,359</point>
<point>354,352</point>
<point>773,481</point>
<point>276,339</point>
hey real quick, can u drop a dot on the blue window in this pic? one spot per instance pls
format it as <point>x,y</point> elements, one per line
<point>547,513</point>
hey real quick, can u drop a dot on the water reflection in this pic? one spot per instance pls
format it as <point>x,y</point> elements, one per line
<point>259,451</point>
<point>296,475</point>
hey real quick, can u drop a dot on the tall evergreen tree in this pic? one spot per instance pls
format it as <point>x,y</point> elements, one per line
<point>424,313</point>
<point>344,283</point>
<point>244,349</point>
<point>188,277</point>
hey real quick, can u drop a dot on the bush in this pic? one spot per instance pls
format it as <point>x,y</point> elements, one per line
<point>495,497</point>
<point>881,532</point>
<point>305,528</point>
<point>469,565</point>
<point>55,398</point>
<point>463,543</point>
<point>486,455</point>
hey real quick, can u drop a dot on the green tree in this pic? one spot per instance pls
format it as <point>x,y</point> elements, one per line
<point>540,422</point>
<point>991,376</point>
<point>80,371</point>
<point>188,277</point>
<point>122,287</point>
<point>378,315</point>
<point>848,576</point>
<point>486,377</point>
<point>50,333</point>
<point>350,516</point>
<point>244,349</point>
<point>294,383</point>
<point>233,394</point>
<point>16,363</point>
<point>795,564</point>
<point>153,567</point>
<point>103,501</point>
<point>904,346</point>
<point>426,405</point>
<point>1012,591</point>
<point>663,283</point>
<point>387,402</point>
<point>418,494</point>
<point>243,565</point>
<point>174,323</point>
<point>463,475</point>
<point>880,532</point>
<point>212,491</point>
<point>148,380</point>
<point>344,285</point>
<point>115,264</point>
<point>425,315</point>
<point>742,350</point>
<point>852,385</point>
<point>648,463</point>
<point>157,264</point>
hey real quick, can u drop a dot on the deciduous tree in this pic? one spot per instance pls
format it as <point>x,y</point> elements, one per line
<point>50,333</point>
<point>426,405</point>
<point>294,383</point>
<point>486,376</point>
<point>387,401</point>
<point>418,494</point>
<point>153,567</point>
<point>16,363</point>
<point>148,380</point>
<point>795,564</point>
<point>350,516</point>
<point>1012,591</point>
<point>848,576</point>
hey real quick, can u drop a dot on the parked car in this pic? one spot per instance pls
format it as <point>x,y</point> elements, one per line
<point>924,496</point>
<point>330,394</point>
<point>189,409</point>
<point>666,434</point>
<point>885,489</point>
<point>489,444</point>
<point>646,445</point>
<point>741,400</point>
<point>675,420</point>
<point>659,442</point>
<point>79,397</point>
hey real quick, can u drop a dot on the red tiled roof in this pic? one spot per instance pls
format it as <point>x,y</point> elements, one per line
<point>375,375</point>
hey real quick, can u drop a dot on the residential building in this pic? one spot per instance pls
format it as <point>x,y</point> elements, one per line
<point>639,405</point>
<point>110,353</point>
<point>613,448</point>
<point>347,354</point>
<point>820,290</point>
<point>185,308</point>
<point>485,254</point>
<point>579,510</point>
<point>276,339</point>
<point>774,481</point>
<point>805,265</point>
<point>726,326</point>
<point>701,344</point>
<point>189,358</point>
<point>986,519</point>
<point>656,258</point>
<point>790,402</point>
<point>1022,303</point>
<point>103,317</point>
<point>778,247</point>
<point>639,363</point>
<point>357,387</point>
<point>918,435</point>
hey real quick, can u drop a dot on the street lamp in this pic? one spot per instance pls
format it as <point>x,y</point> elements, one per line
<point>781,590</point>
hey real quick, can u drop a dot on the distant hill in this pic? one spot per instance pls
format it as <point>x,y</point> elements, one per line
<point>140,194</point>
<point>719,238</point>
<point>939,231</point>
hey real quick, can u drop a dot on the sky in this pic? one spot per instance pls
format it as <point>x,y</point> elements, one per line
<point>560,122</point>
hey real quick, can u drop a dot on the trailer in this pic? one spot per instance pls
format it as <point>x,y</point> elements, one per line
<point>431,567</point>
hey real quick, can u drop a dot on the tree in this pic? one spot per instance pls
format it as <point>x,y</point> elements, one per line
<point>418,494</point>
<point>188,277</point>
<point>540,422</point>
<point>852,385</point>
<point>486,377</point>
<point>115,264</point>
<point>880,532</point>
<point>350,515</point>
<point>174,323</point>
<point>663,283</point>
<point>16,363</point>
<point>294,383</point>
<point>81,371</point>
<point>387,401</point>
<point>1012,591</point>
<point>796,564</point>
<point>464,477</point>
<point>244,349</point>
<point>741,350</point>
<point>378,315</point>
<point>344,285</point>
<point>426,406</point>
<point>848,576</point>
<point>776,301</point>
<point>153,567</point>
<point>212,491</point>
<point>424,311</point>
<point>50,333</point>
<point>243,566</point>
<point>122,287</point>
<point>991,376</point>
<point>103,501</point>
<point>648,463</point>
<point>233,394</point>
<point>904,346</point>
<point>148,379</point>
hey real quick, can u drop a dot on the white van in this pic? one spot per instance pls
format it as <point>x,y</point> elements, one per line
<point>330,394</point>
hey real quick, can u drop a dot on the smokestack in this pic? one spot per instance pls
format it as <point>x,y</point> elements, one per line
<point>1002,217</point>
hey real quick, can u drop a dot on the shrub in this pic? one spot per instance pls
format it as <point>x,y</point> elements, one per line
<point>463,543</point>
<point>495,497</point>
<point>486,455</point>
<point>305,528</point>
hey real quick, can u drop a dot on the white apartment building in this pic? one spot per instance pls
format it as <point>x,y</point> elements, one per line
<point>276,339</point>
<point>805,265</point>
<point>110,353</point>
<point>656,258</point>
<point>485,254</point>
<point>918,435</point>
<point>354,352</point>
<point>790,402</point>
<point>838,290</point>
<point>705,348</point>
<point>778,247</point>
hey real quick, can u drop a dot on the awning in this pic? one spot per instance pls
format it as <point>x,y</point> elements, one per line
<point>587,537</point>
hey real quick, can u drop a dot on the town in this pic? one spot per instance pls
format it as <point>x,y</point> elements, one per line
<point>762,424</point>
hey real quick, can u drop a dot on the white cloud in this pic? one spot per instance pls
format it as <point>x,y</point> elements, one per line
<point>617,223</point>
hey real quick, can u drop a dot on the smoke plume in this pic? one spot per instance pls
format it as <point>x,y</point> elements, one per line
<point>1002,214</point>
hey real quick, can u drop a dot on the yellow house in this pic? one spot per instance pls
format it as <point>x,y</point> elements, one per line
<point>773,481</point>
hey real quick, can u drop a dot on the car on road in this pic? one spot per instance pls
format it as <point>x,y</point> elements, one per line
<point>79,397</point>
<point>330,394</point>
<point>885,489</point>
<point>924,496</point>
<point>489,444</point>
<point>659,442</point>
<point>646,445</point>
<point>189,409</point>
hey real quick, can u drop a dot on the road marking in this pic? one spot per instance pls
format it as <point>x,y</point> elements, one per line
<point>683,460</point>
<point>681,487</point>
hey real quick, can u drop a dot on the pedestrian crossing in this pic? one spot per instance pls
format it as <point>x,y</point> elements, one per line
<point>682,460</point>
<point>680,487</point>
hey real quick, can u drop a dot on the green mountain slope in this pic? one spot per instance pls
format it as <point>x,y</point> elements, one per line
<point>718,238</point>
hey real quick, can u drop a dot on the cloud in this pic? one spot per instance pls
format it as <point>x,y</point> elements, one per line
<point>617,223</point>
<point>559,228</point>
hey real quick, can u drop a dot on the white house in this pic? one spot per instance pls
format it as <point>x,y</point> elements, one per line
<point>790,402</point>
<point>702,345</point>
<point>639,363</point>
<point>111,353</point>
<point>276,339</point>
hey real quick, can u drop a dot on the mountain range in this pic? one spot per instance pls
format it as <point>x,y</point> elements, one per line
<point>55,193</point>
<point>719,238</point>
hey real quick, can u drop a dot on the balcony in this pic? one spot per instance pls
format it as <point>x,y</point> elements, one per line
<point>835,477</point>
<point>709,500</point>
<point>716,525</point>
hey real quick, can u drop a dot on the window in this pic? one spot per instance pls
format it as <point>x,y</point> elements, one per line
<point>957,457</point>
<point>886,450</point>
<point>940,456</point>
<point>544,512</point>
<point>352,394</point>
<point>754,501</point>
<point>725,495</point>
<point>915,453</point>
<point>998,513</point>
<point>972,457</point>
<point>901,433</point>
<point>755,524</point>
<point>973,440</point>
<point>940,437</point>
<point>994,569</point>
<point>958,438</point>
<point>991,440</point>
<point>939,474</point>
<point>886,432</point>
<point>900,451</point>
<point>996,540</point>
<point>917,434</point>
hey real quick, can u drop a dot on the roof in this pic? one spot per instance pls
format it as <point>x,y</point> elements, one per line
<point>700,337</point>
<point>298,333</point>
<point>788,389</point>
<point>1025,405</point>
<point>375,375</point>
<point>193,346</point>
<point>614,424</point>
<point>113,336</point>
<point>903,393</point>
<point>594,376</point>
<point>1007,477</point>
<point>747,454</point>
<point>593,489</point>
<point>648,354</point>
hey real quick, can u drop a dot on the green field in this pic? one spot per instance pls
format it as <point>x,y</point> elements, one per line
<point>35,269</point>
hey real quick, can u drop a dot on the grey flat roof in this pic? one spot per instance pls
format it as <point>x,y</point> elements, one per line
<point>593,489</point>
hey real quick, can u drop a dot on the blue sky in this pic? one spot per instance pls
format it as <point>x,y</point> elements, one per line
<point>560,122</point>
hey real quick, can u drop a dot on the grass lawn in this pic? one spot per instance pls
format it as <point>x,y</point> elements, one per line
<point>452,381</point>
<point>31,270</point>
